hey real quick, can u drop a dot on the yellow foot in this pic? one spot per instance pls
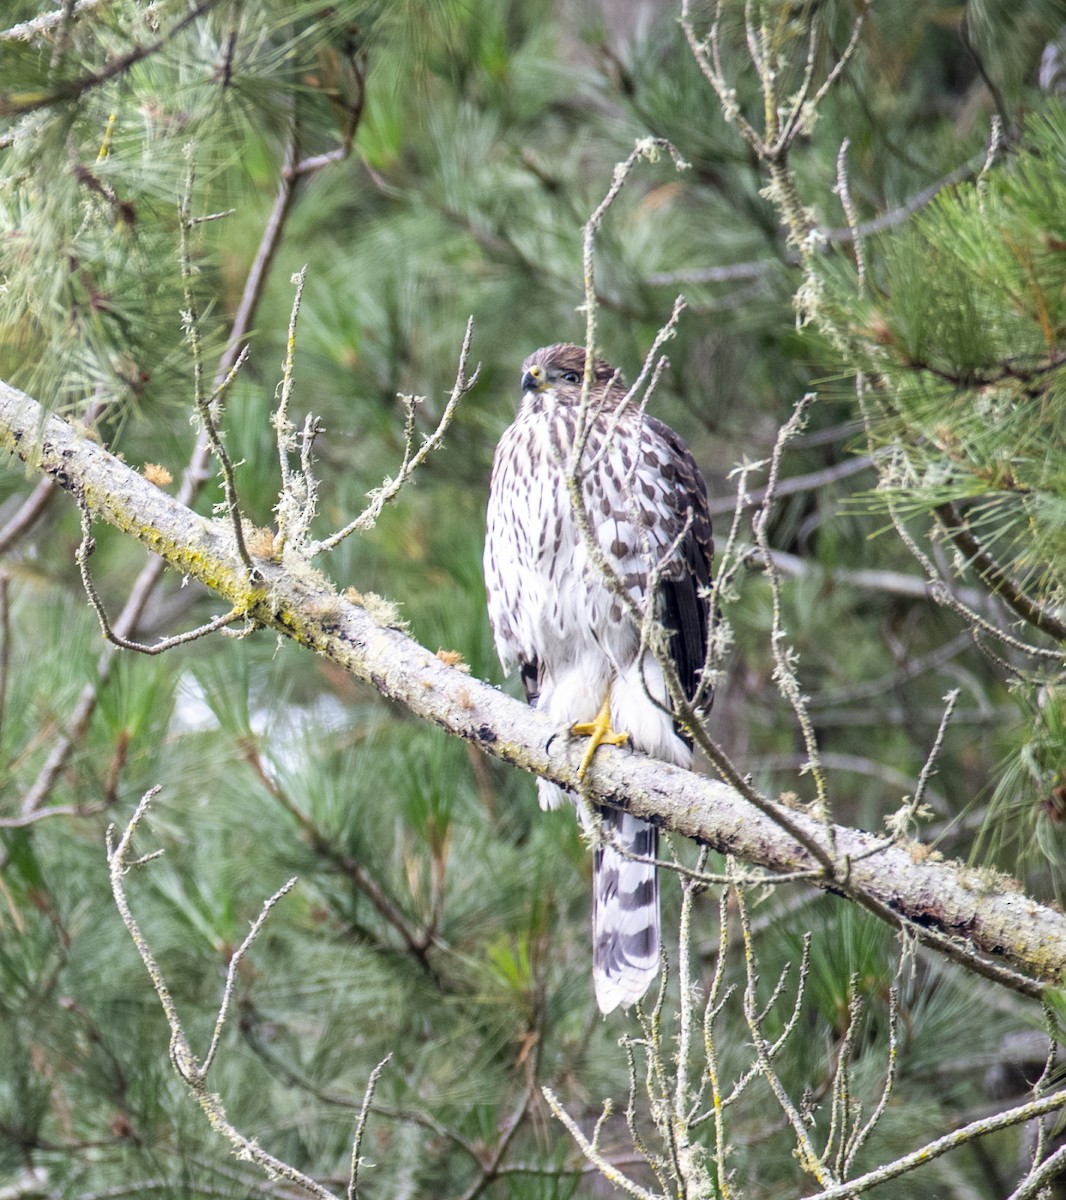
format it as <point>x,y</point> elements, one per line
<point>599,732</point>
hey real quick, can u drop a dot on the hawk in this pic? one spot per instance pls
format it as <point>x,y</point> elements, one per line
<point>575,644</point>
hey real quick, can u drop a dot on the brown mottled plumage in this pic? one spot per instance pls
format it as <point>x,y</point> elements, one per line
<point>575,645</point>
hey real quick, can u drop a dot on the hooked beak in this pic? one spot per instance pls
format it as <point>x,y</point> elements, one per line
<point>533,380</point>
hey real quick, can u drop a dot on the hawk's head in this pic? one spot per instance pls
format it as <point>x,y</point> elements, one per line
<point>556,372</point>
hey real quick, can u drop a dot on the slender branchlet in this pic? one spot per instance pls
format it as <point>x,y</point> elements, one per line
<point>938,587</point>
<point>413,457</point>
<point>690,1159</point>
<point>207,406</point>
<point>717,996</point>
<point>118,65</point>
<point>598,835</point>
<point>593,1154</point>
<point>654,1161</point>
<point>840,1108</point>
<point>234,966</point>
<point>843,191</point>
<point>984,1126</point>
<point>784,118</point>
<point>646,148</point>
<point>722,592</point>
<point>862,1131</point>
<point>192,1070</point>
<point>808,1157</point>
<point>360,1128</point>
<point>914,809</point>
<point>785,658</point>
<point>86,547</point>
<point>294,509</point>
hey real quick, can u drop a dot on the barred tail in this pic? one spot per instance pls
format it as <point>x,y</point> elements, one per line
<point>625,911</point>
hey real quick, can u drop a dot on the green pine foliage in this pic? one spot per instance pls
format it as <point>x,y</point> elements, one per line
<point>971,349</point>
<point>439,916</point>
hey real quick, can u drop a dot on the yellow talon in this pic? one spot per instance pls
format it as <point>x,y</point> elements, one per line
<point>599,732</point>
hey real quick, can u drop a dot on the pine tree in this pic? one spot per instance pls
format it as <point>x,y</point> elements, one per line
<point>164,172</point>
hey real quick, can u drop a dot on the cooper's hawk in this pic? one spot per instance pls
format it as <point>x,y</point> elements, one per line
<point>577,647</point>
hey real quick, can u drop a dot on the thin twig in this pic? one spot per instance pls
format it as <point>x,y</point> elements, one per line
<point>849,50</point>
<point>938,587</point>
<point>606,1168</point>
<point>840,1102</point>
<point>843,190</point>
<point>825,236</point>
<point>805,1151</point>
<point>784,657</point>
<point>418,941</point>
<point>715,1002</point>
<point>360,1127</point>
<point>191,1071</point>
<point>998,580</point>
<point>45,814</point>
<point>234,966</point>
<point>25,31</point>
<point>795,484</point>
<point>934,1149</point>
<point>75,88</point>
<point>294,509</point>
<point>206,406</point>
<point>950,700</point>
<point>87,547</point>
<point>412,458</point>
<point>861,1133</point>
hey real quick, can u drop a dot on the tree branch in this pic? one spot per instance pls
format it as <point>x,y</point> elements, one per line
<point>74,88</point>
<point>961,912</point>
<point>995,576</point>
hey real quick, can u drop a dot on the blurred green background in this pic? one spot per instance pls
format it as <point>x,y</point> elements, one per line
<point>439,915</point>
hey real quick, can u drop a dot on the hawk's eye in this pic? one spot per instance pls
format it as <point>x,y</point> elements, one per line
<point>571,377</point>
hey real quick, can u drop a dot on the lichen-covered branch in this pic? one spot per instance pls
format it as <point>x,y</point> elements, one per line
<point>971,917</point>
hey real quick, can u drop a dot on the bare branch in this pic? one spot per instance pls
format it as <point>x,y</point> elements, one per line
<point>75,88</point>
<point>192,1072</point>
<point>810,1160</point>
<point>795,484</point>
<point>81,555</point>
<point>826,235</point>
<point>862,1132</point>
<point>785,659</point>
<point>934,1149</point>
<point>938,587</point>
<point>296,504</point>
<point>360,1127</point>
<point>942,903</point>
<point>26,31</point>
<point>234,966</point>
<point>412,459</point>
<point>950,700</point>
<point>194,477</point>
<point>998,580</point>
<point>843,190</point>
<point>45,814</point>
<point>605,1167</point>
<point>206,406</point>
